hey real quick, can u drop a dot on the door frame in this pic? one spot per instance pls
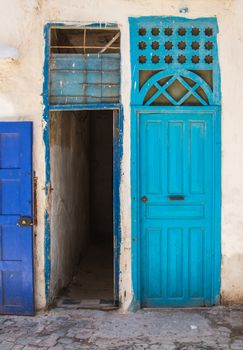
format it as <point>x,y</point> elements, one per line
<point>135,199</point>
<point>117,157</point>
<point>117,121</point>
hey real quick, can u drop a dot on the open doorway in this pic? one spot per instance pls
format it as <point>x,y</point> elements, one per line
<point>82,248</point>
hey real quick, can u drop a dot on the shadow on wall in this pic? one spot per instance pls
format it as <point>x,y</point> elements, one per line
<point>69,145</point>
<point>81,198</point>
<point>101,177</point>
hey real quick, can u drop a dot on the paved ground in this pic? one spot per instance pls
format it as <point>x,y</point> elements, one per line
<point>216,328</point>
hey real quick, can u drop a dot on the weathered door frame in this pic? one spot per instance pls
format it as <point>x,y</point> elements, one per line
<point>135,199</point>
<point>117,155</point>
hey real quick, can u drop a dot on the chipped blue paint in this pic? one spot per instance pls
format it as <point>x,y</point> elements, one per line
<point>47,251</point>
<point>118,151</point>
<point>77,107</point>
<point>81,25</point>
<point>117,157</point>
<point>47,246</point>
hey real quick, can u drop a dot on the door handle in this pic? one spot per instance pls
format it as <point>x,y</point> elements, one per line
<point>176,198</point>
<point>144,199</point>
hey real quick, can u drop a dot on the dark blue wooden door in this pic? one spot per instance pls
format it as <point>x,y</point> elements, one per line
<point>177,208</point>
<point>16,236</point>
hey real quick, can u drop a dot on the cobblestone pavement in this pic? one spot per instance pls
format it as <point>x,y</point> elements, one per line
<point>63,329</point>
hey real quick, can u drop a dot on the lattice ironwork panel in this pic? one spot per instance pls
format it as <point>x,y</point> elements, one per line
<point>175,45</point>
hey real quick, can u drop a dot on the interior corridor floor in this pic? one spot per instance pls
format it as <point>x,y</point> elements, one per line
<point>93,284</point>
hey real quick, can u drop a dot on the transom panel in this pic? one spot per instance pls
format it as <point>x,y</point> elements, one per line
<point>175,44</point>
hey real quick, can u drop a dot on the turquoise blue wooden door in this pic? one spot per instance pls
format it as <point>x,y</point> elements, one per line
<point>175,161</point>
<point>177,205</point>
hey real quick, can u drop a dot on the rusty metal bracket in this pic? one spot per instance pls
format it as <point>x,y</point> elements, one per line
<point>35,182</point>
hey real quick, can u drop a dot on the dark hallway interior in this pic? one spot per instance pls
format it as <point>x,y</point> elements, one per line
<point>94,279</point>
<point>88,277</point>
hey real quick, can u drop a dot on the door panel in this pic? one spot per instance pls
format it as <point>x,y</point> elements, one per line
<point>175,157</point>
<point>196,147</point>
<point>176,171</point>
<point>16,242</point>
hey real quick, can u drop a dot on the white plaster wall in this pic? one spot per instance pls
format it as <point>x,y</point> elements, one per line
<point>21,26</point>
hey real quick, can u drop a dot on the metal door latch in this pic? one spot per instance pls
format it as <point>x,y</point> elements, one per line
<point>176,198</point>
<point>25,221</point>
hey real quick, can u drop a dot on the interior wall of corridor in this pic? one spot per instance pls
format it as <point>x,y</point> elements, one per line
<point>21,98</point>
<point>80,191</point>
<point>68,195</point>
